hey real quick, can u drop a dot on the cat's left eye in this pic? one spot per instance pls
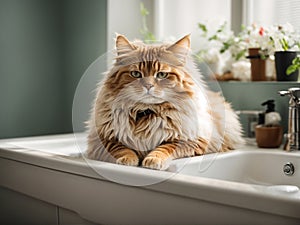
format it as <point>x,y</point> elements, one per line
<point>161,75</point>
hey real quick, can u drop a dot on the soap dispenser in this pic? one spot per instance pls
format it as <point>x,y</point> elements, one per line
<point>272,118</point>
<point>269,134</point>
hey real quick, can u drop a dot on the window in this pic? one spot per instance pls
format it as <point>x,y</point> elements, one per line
<point>268,12</point>
<point>167,18</point>
<point>179,17</point>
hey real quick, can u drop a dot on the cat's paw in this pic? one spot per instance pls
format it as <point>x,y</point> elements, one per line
<point>156,163</point>
<point>128,160</point>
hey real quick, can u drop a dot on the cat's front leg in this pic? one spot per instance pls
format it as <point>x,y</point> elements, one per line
<point>161,157</point>
<point>128,159</point>
<point>125,156</point>
<point>116,152</point>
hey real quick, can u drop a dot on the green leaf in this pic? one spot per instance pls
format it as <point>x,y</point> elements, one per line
<point>144,11</point>
<point>202,27</point>
<point>240,54</point>
<point>294,66</point>
<point>296,61</point>
<point>214,37</point>
<point>291,69</point>
<point>222,27</point>
<point>225,47</point>
<point>284,44</point>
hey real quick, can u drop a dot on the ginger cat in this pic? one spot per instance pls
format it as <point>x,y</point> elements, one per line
<point>153,107</point>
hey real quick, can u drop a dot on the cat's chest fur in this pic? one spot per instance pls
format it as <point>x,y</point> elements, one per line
<point>144,127</point>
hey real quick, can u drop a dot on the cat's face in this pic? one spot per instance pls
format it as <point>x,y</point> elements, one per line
<point>150,74</point>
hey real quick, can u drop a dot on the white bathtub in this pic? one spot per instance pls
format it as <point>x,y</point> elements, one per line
<point>245,186</point>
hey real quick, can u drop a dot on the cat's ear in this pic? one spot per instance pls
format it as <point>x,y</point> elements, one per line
<point>181,48</point>
<point>182,44</point>
<point>123,46</point>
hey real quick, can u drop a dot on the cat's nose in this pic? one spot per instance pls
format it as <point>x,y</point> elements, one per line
<point>148,86</point>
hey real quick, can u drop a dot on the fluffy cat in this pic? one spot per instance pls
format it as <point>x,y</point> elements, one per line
<point>153,107</point>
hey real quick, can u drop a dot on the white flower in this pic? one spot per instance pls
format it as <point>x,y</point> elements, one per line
<point>212,56</point>
<point>242,70</point>
<point>221,46</point>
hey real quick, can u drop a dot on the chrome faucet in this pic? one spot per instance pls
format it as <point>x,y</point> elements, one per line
<point>293,136</point>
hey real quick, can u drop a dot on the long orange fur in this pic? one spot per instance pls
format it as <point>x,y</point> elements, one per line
<point>153,107</point>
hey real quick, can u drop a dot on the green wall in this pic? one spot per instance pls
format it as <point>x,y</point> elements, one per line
<point>45,47</point>
<point>85,32</point>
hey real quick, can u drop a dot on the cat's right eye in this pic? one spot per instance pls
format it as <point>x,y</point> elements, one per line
<point>136,74</point>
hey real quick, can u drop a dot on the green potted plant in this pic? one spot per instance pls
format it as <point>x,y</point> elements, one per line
<point>287,64</point>
<point>286,43</point>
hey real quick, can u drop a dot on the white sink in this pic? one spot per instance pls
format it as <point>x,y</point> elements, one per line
<point>244,186</point>
<point>250,165</point>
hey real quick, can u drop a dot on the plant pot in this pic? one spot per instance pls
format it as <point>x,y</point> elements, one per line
<point>283,59</point>
<point>258,65</point>
<point>268,137</point>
